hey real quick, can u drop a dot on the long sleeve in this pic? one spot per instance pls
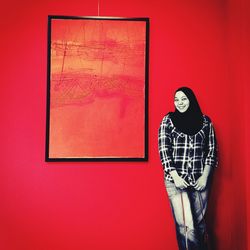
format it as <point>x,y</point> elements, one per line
<point>165,147</point>
<point>212,151</point>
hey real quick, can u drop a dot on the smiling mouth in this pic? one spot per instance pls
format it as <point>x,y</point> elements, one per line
<point>181,107</point>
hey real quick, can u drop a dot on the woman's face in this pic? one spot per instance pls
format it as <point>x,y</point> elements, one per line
<point>181,102</point>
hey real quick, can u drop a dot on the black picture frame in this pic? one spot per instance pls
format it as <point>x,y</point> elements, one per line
<point>69,158</point>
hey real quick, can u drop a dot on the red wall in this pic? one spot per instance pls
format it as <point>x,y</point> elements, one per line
<point>92,206</point>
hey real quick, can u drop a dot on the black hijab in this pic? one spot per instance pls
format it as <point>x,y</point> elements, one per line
<point>191,121</point>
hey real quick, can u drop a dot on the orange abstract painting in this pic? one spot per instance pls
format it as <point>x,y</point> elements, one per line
<point>97,88</point>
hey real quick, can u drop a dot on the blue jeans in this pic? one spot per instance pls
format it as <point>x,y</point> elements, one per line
<point>188,208</point>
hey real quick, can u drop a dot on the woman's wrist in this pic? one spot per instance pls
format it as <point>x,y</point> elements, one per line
<point>206,171</point>
<point>174,174</point>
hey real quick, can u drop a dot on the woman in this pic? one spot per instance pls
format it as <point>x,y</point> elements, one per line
<point>188,152</point>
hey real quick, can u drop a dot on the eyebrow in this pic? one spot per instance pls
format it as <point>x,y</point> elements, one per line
<point>180,97</point>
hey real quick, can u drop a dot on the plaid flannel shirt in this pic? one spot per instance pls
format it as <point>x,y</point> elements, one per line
<point>187,154</point>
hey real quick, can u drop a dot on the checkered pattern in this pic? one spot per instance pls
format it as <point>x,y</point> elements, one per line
<point>187,154</point>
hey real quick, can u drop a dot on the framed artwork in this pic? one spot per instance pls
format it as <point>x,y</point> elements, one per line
<point>97,89</point>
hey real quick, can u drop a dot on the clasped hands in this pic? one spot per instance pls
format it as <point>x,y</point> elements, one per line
<point>199,185</point>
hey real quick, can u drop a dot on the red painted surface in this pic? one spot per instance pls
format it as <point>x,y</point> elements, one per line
<point>95,206</point>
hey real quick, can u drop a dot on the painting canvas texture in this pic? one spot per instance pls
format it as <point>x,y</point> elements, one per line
<point>97,89</point>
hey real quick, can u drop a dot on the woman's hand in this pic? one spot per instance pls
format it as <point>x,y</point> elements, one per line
<point>201,183</point>
<point>178,181</point>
